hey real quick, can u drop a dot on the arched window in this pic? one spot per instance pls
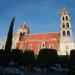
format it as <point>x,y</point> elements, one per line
<point>63,18</point>
<point>66,17</point>
<point>21,38</point>
<point>51,46</point>
<point>63,25</point>
<point>64,34</point>
<point>68,33</point>
<point>67,25</point>
<point>43,45</point>
<point>30,46</point>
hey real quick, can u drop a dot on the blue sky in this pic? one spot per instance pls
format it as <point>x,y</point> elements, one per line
<point>41,16</point>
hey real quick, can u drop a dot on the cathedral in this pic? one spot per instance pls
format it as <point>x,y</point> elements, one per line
<point>61,41</point>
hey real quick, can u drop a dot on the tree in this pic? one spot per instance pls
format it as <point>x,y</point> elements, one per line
<point>29,59</point>
<point>72,63</point>
<point>16,56</point>
<point>47,57</point>
<point>3,61</point>
<point>64,60</point>
<point>9,41</point>
<point>9,37</point>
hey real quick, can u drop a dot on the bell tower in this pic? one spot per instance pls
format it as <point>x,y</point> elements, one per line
<point>66,34</point>
<point>65,26</point>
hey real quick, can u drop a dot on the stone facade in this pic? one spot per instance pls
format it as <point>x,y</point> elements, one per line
<point>66,34</point>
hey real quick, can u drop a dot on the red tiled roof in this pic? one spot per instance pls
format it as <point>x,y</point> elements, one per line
<point>36,39</point>
<point>41,36</point>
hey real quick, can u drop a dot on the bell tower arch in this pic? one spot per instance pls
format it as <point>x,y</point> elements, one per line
<point>65,25</point>
<point>66,34</point>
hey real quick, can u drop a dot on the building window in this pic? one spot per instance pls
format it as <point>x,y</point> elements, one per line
<point>51,46</point>
<point>63,25</point>
<point>67,24</point>
<point>66,17</point>
<point>43,45</point>
<point>30,47</point>
<point>21,39</point>
<point>63,18</point>
<point>68,33</point>
<point>64,34</point>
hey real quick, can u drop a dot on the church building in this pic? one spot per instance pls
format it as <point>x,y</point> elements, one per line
<point>61,41</point>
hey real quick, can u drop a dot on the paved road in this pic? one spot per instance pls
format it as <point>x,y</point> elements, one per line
<point>52,73</point>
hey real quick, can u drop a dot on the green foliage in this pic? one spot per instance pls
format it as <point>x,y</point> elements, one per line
<point>3,58</point>
<point>71,66</point>
<point>47,57</point>
<point>16,55</point>
<point>72,59</point>
<point>29,57</point>
<point>63,60</point>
